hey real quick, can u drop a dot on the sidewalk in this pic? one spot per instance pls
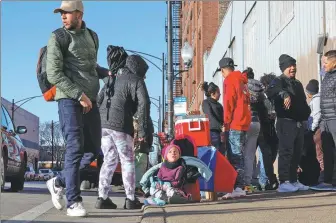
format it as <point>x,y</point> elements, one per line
<point>301,207</point>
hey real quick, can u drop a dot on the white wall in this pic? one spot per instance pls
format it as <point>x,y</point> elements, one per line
<point>262,31</point>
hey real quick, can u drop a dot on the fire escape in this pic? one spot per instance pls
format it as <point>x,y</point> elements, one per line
<point>176,11</point>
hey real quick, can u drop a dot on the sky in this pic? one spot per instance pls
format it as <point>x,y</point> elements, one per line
<point>27,25</point>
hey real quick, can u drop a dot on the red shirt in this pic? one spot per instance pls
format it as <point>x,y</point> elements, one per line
<point>236,101</point>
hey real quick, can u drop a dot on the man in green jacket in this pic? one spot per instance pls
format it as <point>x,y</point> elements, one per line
<point>75,74</point>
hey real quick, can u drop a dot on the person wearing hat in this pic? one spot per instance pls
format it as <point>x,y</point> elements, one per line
<point>292,110</point>
<point>237,119</point>
<point>72,67</point>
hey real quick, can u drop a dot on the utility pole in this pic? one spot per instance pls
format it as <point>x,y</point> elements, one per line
<point>13,105</point>
<point>170,73</point>
<point>159,124</point>
<point>163,92</point>
<point>52,144</point>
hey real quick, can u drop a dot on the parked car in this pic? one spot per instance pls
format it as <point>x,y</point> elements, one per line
<point>44,174</point>
<point>13,159</point>
<point>30,173</point>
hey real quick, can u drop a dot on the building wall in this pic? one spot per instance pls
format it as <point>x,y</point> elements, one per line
<point>265,30</point>
<point>199,26</point>
<point>31,139</point>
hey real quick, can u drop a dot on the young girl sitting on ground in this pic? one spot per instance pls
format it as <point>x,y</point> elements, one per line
<point>167,186</point>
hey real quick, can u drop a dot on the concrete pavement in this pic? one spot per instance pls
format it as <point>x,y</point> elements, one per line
<point>301,207</point>
<point>33,205</point>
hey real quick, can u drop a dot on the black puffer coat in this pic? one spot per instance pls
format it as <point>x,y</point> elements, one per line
<point>328,96</point>
<point>130,97</point>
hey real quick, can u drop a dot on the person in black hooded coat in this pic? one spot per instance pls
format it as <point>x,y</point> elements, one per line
<point>125,95</point>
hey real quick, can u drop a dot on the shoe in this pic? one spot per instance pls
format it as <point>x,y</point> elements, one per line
<point>131,205</point>
<point>249,189</point>
<point>300,186</point>
<point>323,187</point>
<point>77,210</point>
<point>56,194</point>
<point>105,204</point>
<point>179,199</point>
<point>287,187</point>
<point>238,192</point>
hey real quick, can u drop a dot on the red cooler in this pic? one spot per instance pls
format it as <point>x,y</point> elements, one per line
<point>197,127</point>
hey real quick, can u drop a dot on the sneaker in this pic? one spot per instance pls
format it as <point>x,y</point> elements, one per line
<point>323,187</point>
<point>130,205</point>
<point>300,186</point>
<point>238,192</point>
<point>287,187</point>
<point>77,210</point>
<point>249,189</point>
<point>178,199</point>
<point>105,204</point>
<point>272,186</point>
<point>56,194</point>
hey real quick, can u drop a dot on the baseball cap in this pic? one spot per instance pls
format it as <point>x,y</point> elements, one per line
<point>226,62</point>
<point>70,6</point>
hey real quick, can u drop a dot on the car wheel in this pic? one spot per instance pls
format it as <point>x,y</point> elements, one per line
<point>3,173</point>
<point>17,183</point>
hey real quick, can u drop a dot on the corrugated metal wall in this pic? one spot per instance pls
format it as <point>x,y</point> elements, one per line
<point>268,29</point>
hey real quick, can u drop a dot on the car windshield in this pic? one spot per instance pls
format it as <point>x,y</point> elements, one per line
<point>44,171</point>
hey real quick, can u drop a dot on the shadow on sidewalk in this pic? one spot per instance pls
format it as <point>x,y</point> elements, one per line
<point>237,210</point>
<point>266,196</point>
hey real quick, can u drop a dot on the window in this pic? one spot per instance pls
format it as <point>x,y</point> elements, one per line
<point>280,15</point>
<point>10,125</point>
<point>3,119</point>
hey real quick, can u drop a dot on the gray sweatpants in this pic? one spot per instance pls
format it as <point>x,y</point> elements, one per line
<point>250,151</point>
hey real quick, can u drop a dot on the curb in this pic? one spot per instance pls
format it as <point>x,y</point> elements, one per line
<point>153,215</point>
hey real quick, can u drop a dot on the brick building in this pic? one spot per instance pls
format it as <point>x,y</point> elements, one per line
<point>200,21</point>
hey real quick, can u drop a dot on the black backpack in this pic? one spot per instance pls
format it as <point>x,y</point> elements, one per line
<point>64,40</point>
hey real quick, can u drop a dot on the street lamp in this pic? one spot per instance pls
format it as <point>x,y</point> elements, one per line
<point>24,101</point>
<point>159,109</point>
<point>187,54</point>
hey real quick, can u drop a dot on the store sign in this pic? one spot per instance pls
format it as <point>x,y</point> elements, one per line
<point>180,106</point>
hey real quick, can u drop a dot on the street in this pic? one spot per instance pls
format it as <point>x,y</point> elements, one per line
<point>33,205</point>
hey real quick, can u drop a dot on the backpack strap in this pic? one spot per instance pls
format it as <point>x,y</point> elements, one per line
<point>95,38</point>
<point>63,38</point>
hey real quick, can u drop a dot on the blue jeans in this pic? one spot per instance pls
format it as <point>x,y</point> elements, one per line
<point>82,134</point>
<point>235,143</point>
<point>262,174</point>
<point>216,141</point>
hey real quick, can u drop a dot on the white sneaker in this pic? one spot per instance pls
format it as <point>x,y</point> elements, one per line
<point>287,187</point>
<point>238,192</point>
<point>56,194</point>
<point>77,210</point>
<point>300,186</point>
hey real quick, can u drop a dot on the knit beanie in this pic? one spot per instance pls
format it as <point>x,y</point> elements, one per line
<point>166,150</point>
<point>312,87</point>
<point>286,61</point>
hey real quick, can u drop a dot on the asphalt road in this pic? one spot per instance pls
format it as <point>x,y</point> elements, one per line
<point>33,205</point>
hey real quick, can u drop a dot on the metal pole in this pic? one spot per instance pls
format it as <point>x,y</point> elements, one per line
<point>52,144</point>
<point>159,124</point>
<point>170,73</point>
<point>163,92</point>
<point>13,110</point>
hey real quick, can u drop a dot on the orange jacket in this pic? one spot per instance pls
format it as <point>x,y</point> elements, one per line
<point>236,101</point>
